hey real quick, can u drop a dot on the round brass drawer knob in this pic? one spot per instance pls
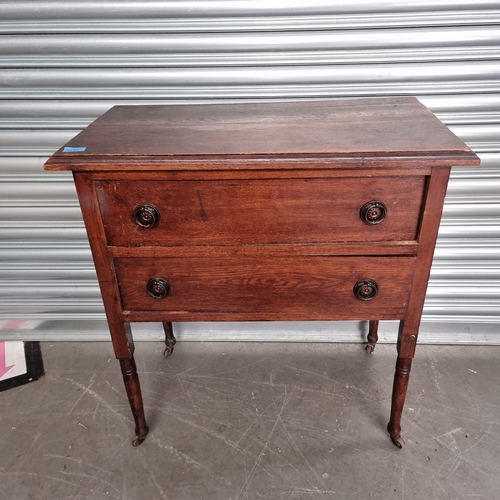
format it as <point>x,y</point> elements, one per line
<point>373,212</point>
<point>365,289</point>
<point>146,216</point>
<point>158,288</point>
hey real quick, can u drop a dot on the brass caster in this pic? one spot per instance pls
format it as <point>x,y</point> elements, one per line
<point>136,441</point>
<point>168,351</point>
<point>369,348</point>
<point>398,441</point>
<point>140,435</point>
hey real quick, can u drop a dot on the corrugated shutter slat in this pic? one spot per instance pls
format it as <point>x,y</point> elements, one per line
<point>62,64</point>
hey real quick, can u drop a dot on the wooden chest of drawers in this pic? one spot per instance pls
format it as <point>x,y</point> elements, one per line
<point>325,210</point>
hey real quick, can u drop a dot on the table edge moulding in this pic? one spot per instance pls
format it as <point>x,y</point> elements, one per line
<point>307,210</point>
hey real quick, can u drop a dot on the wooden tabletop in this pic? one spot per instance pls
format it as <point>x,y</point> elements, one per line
<point>382,127</point>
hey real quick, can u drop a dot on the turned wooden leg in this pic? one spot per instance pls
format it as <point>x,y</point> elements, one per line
<point>133,389</point>
<point>401,377</point>
<point>169,338</point>
<point>372,337</point>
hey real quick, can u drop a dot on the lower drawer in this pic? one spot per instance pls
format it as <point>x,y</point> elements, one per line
<point>288,288</point>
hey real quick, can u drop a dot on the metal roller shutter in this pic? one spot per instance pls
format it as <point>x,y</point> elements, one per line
<point>64,63</point>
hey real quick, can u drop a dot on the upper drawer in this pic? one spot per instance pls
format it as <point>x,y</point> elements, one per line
<point>261,211</point>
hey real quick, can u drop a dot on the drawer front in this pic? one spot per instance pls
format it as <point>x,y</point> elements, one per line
<point>287,288</point>
<point>262,211</point>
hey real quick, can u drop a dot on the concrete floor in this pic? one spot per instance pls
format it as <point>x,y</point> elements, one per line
<point>243,421</point>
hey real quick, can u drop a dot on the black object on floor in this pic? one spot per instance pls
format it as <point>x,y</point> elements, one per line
<point>34,367</point>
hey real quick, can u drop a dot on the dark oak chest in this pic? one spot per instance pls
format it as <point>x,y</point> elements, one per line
<point>325,210</point>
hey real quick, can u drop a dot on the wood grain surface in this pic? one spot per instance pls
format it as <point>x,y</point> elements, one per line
<point>261,211</point>
<point>357,127</point>
<point>300,287</point>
